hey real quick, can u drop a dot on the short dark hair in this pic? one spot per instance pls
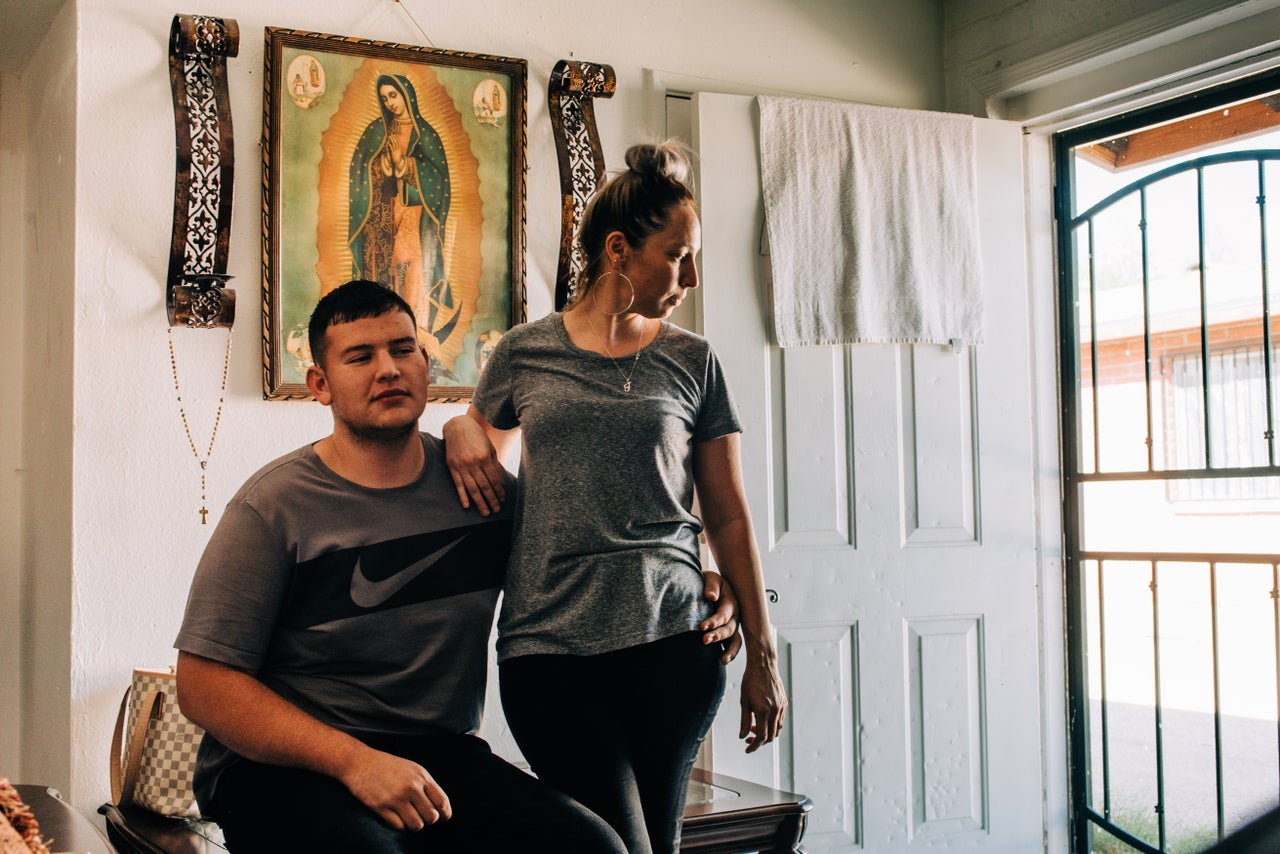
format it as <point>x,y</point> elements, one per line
<point>355,300</point>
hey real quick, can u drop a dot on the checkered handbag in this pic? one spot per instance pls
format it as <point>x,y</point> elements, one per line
<point>153,751</point>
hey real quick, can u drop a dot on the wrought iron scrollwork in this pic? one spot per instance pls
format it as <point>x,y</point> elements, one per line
<point>198,49</point>
<point>572,87</point>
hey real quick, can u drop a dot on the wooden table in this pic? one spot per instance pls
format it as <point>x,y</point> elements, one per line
<point>62,827</point>
<point>726,815</point>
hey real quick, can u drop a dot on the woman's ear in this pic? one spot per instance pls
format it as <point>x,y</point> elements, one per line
<point>617,247</point>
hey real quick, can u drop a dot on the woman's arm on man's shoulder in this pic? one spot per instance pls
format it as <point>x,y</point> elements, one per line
<point>474,450</point>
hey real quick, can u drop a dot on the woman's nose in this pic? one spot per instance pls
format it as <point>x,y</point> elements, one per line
<point>690,277</point>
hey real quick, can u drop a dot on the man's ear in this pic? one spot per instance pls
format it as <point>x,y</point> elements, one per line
<point>318,384</point>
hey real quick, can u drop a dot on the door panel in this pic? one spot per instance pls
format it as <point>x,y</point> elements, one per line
<point>813,506</point>
<point>823,712</point>
<point>937,448</point>
<point>948,782</point>
<point>892,493</point>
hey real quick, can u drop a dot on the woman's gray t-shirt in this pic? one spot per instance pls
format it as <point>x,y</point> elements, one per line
<point>606,545</point>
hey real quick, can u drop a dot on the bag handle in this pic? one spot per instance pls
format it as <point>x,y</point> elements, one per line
<point>124,769</point>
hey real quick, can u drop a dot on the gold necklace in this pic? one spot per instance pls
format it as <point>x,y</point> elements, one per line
<point>626,377</point>
<point>182,411</point>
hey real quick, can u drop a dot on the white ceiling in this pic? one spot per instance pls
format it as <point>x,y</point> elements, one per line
<point>23,24</point>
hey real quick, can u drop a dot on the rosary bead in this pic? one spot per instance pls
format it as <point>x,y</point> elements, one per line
<point>203,460</point>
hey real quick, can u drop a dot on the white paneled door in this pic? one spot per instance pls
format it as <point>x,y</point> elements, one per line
<point>892,490</point>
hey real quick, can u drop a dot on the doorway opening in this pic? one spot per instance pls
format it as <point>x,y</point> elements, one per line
<point>1170,365</point>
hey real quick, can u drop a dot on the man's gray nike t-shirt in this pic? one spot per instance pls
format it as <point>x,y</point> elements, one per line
<point>368,608</point>
<point>606,544</point>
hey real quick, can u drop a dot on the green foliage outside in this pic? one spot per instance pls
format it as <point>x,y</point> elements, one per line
<point>1142,824</point>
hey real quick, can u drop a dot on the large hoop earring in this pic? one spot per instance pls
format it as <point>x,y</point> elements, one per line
<point>595,299</point>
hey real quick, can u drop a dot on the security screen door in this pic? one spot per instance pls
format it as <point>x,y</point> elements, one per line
<point>1167,246</point>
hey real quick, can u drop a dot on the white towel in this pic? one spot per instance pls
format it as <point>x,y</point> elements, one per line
<point>872,221</point>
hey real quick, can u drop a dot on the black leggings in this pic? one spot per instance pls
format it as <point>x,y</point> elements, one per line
<point>618,731</point>
<point>497,808</point>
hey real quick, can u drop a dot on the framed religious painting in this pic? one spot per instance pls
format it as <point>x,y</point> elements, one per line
<point>401,165</point>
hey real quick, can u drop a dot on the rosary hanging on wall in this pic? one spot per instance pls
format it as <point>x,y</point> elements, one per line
<point>202,459</point>
<point>196,292</point>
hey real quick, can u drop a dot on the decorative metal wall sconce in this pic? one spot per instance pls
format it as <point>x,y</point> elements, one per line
<point>196,293</point>
<point>573,84</point>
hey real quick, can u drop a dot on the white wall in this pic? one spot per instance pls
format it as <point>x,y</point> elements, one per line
<point>11,330</point>
<point>40,291</point>
<point>113,539</point>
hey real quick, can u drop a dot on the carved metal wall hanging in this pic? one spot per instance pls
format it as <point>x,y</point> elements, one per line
<point>198,49</point>
<point>573,84</point>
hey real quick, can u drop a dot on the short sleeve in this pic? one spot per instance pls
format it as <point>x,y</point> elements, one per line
<point>717,415</point>
<point>236,593</point>
<point>493,396</point>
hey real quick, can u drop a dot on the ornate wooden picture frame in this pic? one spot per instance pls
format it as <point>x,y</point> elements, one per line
<point>400,164</point>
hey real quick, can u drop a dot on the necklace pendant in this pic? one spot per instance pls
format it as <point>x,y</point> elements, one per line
<point>626,386</point>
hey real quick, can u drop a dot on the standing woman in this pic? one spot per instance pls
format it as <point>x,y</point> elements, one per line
<point>606,683</point>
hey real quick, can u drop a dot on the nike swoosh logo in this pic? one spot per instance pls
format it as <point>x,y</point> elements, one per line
<point>371,594</point>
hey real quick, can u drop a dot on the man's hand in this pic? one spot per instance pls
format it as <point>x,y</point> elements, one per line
<point>473,463</point>
<point>260,725</point>
<point>722,625</point>
<point>400,792</point>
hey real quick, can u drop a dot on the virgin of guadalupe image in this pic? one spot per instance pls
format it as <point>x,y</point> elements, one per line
<point>398,207</point>
<point>398,199</point>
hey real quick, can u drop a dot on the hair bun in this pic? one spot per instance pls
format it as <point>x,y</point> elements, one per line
<point>668,159</point>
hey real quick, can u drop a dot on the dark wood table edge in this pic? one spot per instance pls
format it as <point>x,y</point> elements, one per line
<point>62,826</point>
<point>771,818</point>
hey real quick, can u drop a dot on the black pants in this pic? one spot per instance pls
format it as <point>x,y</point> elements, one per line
<point>496,808</point>
<point>618,731</point>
